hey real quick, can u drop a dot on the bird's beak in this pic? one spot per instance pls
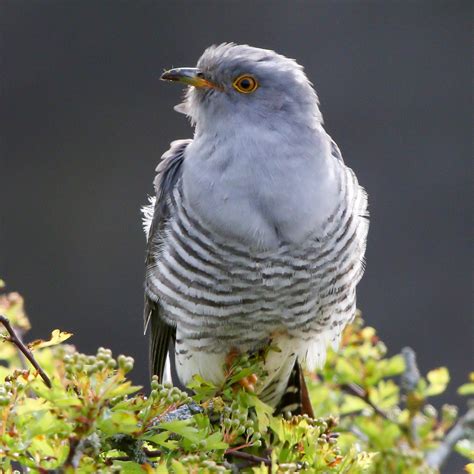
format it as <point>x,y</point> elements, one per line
<point>188,75</point>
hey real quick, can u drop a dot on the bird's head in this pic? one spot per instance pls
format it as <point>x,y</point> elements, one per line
<point>242,84</point>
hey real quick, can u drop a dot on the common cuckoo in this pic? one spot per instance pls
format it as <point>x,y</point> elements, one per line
<point>257,233</point>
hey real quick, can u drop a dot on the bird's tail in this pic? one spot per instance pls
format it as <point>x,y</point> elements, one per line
<point>296,400</point>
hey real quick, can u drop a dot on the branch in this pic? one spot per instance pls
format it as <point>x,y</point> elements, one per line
<point>79,447</point>
<point>411,375</point>
<point>72,459</point>
<point>439,456</point>
<point>152,453</point>
<point>23,349</point>
<point>408,382</point>
<point>250,457</point>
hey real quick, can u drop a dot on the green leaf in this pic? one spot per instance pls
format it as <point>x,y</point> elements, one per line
<point>178,468</point>
<point>56,395</point>
<point>113,422</point>
<point>365,460</point>
<point>183,428</point>
<point>347,372</point>
<point>385,395</point>
<point>33,405</point>
<point>202,389</point>
<point>240,375</point>
<point>125,388</point>
<point>45,423</point>
<point>214,442</point>
<point>94,403</point>
<point>130,467</point>
<point>161,469</point>
<point>263,411</point>
<point>395,366</point>
<point>161,439</point>
<point>382,433</point>
<point>352,404</point>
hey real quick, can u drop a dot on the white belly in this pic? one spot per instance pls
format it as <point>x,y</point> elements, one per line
<point>212,366</point>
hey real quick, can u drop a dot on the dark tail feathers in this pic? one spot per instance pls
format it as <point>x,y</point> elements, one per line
<point>296,398</point>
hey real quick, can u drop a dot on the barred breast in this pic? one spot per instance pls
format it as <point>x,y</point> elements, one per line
<point>221,294</point>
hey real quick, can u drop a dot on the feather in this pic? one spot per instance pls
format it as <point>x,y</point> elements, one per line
<point>155,215</point>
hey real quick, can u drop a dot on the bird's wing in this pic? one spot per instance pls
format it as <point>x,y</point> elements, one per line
<point>155,218</point>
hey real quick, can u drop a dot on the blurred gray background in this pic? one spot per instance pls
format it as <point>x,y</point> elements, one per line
<point>84,120</point>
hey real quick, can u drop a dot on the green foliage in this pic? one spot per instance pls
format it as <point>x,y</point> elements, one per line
<point>94,420</point>
<point>399,425</point>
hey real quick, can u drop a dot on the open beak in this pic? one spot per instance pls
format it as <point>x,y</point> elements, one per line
<point>188,75</point>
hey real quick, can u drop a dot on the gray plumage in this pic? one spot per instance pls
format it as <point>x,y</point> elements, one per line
<point>257,234</point>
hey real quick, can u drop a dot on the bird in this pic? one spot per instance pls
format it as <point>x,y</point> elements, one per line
<point>257,232</point>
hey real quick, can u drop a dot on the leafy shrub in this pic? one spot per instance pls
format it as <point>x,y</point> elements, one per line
<point>94,420</point>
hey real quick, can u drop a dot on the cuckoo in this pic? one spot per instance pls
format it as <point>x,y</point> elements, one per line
<point>257,233</point>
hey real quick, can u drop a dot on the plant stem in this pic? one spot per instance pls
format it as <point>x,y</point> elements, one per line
<point>250,457</point>
<point>152,453</point>
<point>23,349</point>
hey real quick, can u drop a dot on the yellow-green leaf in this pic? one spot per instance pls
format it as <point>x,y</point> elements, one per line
<point>364,460</point>
<point>125,388</point>
<point>57,337</point>
<point>438,379</point>
<point>465,448</point>
<point>178,468</point>
<point>395,366</point>
<point>466,389</point>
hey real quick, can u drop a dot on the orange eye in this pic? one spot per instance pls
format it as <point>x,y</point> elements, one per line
<point>245,84</point>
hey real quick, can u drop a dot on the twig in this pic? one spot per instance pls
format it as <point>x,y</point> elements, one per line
<point>236,448</point>
<point>71,457</point>
<point>24,350</point>
<point>119,458</point>
<point>354,389</point>
<point>408,383</point>
<point>437,457</point>
<point>250,457</point>
<point>411,375</point>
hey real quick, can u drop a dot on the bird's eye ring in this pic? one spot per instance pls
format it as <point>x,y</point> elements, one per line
<point>245,84</point>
